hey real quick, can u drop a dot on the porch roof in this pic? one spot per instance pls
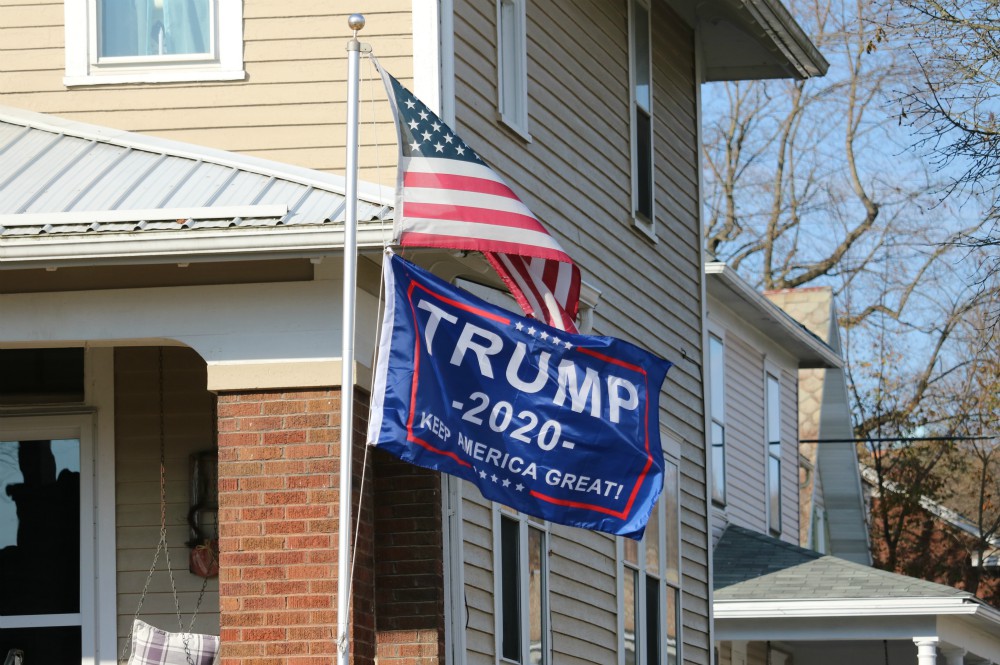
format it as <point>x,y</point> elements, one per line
<point>74,194</point>
<point>766,589</point>
<point>750,565</point>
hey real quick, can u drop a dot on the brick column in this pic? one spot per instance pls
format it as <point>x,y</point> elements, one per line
<point>409,574</point>
<point>278,507</point>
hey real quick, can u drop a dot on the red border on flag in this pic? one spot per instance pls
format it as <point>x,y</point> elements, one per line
<point>623,514</point>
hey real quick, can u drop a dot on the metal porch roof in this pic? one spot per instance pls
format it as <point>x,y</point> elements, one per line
<point>69,184</point>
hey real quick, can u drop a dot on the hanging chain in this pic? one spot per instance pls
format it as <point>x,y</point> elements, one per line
<point>161,546</point>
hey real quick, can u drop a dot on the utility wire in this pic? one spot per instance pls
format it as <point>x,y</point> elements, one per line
<point>889,439</point>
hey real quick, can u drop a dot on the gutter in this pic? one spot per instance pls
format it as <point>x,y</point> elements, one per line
<point>852,607</point>
<point>779,25</point>
<point>728,277</point>
<point>151,247</point>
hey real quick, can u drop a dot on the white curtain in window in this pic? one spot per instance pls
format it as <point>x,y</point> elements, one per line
<point>155,27</point>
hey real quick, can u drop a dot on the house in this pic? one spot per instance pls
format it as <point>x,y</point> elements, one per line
<point>831,501</point>
<point>936,542</point>
<point>171,208</point>
<point>773,600</point>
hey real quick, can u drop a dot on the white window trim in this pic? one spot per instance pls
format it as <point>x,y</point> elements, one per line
<point>524,521</point>
<point>453,535</point>
<point>647,227</point>
<point>664,582</point>
<point>82,67</point>
<point>515,118</point>
<point>719,334</point>
<point>92,612</point>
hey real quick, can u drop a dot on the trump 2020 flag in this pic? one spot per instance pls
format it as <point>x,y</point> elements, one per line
<point>446,196</point>
<point>556,425</point>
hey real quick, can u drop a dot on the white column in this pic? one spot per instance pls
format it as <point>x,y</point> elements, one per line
<point>926,650</point>
<point>953,655</point>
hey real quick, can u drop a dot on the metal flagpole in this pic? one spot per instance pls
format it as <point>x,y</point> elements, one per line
<point>356,22</point>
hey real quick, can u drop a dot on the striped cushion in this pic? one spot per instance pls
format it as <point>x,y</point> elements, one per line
<point>152,646</point>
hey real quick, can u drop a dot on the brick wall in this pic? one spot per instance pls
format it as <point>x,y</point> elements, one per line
<point>409,593</point>
<point>278,506</point>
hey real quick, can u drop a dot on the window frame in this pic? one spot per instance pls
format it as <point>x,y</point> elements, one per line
<point>772,450</point>
<point>641,221</point>
<point>512,66</point>
<point>718,491</point>
<point>524,522</point>
<point>84,66</point>
<point>92,527</point>
<point>666,584</point>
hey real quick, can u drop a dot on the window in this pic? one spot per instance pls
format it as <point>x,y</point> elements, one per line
<point>642,116</point>
<point>520,551</point>
<point>153,41</point>
<point>47,539</point>
<point>717,412</point>
<point>512,65</point>
<point>650,584</point>
<point>773,455</point>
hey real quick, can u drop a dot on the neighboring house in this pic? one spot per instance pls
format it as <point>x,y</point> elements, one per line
<point>775,602</point>
<point>938,544</point>
<point>171,300</point>
<point>755,354</point>
<point>831,502</point>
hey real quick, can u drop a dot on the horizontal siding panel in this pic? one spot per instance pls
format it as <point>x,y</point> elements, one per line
<point>13,16</point>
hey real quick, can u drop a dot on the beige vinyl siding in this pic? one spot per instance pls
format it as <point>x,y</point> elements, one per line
<point>575,175</point>
<point>291,107</point>
<point>745,435</point>
<point>189,427</point>
<point>582,587</point>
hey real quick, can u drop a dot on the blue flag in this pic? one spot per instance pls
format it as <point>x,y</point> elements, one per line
<point>563,427</point>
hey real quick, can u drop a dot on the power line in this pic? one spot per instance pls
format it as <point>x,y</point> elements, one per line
<point>891,439</point>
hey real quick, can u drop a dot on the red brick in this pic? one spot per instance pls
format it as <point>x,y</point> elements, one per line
<point>264,634</point>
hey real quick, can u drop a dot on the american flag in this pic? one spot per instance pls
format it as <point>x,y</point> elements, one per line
<point>446,196</point>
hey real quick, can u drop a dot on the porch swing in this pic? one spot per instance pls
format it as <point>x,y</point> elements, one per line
<point>146,644</point>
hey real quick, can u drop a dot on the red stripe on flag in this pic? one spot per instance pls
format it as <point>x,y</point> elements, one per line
<point>415,239</point>
<point>457,213</point>
<point>461,183</point>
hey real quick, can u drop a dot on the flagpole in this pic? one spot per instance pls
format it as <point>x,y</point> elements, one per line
<point>356,22</point>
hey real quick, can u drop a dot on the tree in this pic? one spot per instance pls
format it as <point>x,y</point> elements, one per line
<point>817,182</point>
<point>810,182</point>
<point>953,107</point>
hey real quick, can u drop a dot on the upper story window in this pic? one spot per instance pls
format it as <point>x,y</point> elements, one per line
<point>717,413</point>
<point>153,41</point>
<point>773,455</point>
<point>520,551</point>
<point>641,83</point>
<point>512,65</point>
<point>649,597</point>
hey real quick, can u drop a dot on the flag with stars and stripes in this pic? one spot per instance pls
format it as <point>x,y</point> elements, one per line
<point>447,197</point>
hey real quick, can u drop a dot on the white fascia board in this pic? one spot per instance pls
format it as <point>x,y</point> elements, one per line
<point>728,284</point>
<point>844,607</point>
<point>168,247</point>
<point>369,192</point>
<point>275,210</point>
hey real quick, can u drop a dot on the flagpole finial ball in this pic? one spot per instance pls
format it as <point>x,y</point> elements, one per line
<point>355,22</point>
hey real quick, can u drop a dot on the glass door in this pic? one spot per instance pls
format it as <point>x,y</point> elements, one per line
<point>45,544</point>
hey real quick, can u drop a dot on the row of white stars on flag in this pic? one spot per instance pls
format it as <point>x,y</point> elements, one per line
<point>428,136</point>
<point>505,482</point>
<point>542,335</point>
